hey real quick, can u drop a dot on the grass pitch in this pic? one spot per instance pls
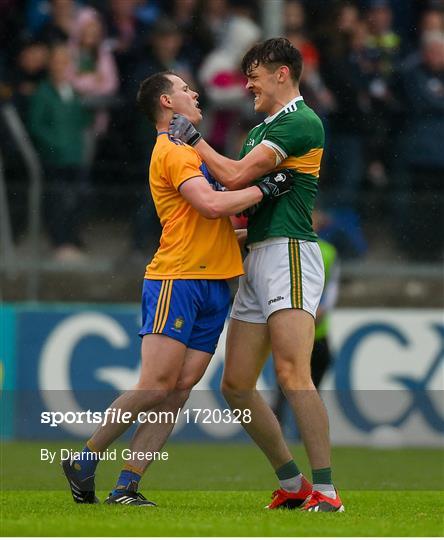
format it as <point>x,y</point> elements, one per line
<point>220,490</point>
<point>215,513</point>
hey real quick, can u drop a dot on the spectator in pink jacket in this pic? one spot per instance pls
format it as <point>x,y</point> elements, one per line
<point>94,72</point>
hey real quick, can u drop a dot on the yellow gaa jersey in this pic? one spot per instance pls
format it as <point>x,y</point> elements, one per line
<point>191,246</point>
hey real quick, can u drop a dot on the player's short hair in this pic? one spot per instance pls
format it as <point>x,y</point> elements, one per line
<point>150,91</point>
<point>271,54</point>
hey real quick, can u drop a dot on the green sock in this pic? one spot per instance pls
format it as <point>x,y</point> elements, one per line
<point>289,470</point>
<point>289,477</point>
<point>321,476</point>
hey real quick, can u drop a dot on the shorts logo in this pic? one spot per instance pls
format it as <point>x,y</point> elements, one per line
<point>277,299</point>
<point>178,324</point>
<point>280,177</point>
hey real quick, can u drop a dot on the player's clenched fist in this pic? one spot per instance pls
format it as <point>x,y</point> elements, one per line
<point>181,128</point>
<point>276,184</point>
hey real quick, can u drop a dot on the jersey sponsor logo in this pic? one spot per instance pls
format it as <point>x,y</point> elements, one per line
<point>274,300</point>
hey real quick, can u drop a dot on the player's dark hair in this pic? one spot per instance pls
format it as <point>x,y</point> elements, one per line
<point>150,91</point>
<point>271,54</point>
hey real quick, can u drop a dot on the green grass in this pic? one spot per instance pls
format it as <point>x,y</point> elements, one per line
<point>215,513</point>
<point>220,490</point>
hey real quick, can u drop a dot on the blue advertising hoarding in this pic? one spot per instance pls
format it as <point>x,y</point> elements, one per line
<point>71,358</point>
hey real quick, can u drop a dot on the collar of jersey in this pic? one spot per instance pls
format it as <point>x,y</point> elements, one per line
<point>293,101</point>
<point>162,133</point>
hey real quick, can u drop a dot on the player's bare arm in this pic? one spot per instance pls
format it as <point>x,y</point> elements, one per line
<point>256,163</point>
<point>233,174</point>
<point>215,204</point>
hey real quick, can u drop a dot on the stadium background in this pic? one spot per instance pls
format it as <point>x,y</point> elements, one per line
<point>71,280</point>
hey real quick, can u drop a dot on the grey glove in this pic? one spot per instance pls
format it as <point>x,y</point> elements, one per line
<point>276,184</point>
<point>181,128</point>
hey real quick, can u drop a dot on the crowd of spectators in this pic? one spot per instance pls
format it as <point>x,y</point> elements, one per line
<point>373,71</point>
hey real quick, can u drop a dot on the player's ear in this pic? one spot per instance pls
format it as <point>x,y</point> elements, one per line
<point>283,73</point>
<point>165,101</point>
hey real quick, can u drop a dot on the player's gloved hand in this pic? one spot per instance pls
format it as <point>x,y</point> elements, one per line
<point>181,128</point>
<point>276,184</point>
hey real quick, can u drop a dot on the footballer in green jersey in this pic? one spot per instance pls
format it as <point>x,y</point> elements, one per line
<point>277,300</point>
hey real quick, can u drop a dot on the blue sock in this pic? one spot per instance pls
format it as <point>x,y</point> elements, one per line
<point>126,478</point>
<point>87,463</point>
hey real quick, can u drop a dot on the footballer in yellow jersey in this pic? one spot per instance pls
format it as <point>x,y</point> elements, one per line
<point>185,295</point>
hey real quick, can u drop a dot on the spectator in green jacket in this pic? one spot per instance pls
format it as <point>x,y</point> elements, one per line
<point>58,122</point>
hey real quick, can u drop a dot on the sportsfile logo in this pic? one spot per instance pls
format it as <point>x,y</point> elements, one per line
<point>274,300</point>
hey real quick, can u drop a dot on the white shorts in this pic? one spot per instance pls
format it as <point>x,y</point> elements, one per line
<point>280,273</point>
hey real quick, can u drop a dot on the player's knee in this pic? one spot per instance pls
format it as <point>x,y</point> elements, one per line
<point>227,386</point>
<point>156,390</point>
<point>180,395</point>
<point>187,382</point>
<point>184,385</point>
<point>290,377</point>
<point>231,390</point>
<point>149,397</point>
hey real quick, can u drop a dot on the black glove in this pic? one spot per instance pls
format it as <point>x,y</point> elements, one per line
<point>181,128</point>
<point>276,184</point>
<point>248,212</point>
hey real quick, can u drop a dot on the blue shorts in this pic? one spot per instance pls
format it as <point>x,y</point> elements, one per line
<point>192,311</point>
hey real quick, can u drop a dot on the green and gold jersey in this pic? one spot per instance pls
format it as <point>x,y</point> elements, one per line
<point>297,134</point>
